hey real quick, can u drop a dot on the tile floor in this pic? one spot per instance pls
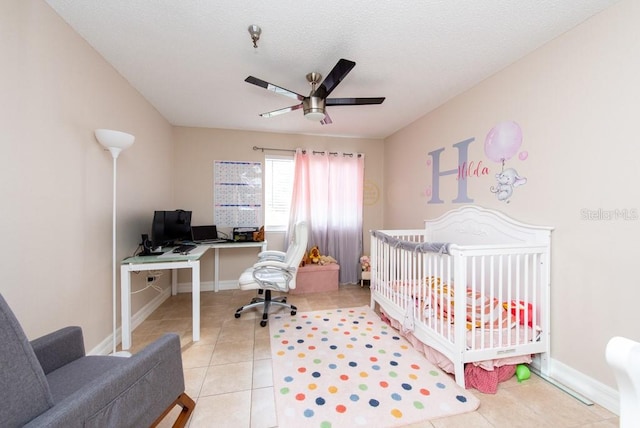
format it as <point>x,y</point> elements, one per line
<point>228,372</point>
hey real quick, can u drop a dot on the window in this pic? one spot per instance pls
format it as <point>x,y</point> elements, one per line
<point>278,179</point>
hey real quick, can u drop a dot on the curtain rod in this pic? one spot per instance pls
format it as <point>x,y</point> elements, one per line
<point>273,150</point>
<point>303,151</point>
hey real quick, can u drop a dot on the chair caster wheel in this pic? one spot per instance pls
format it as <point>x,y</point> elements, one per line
<point>237,315</point>
<point>263,323</point>
<point>293,312</point>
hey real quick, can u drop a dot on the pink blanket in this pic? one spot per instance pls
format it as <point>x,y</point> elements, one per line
<point>484,380</point>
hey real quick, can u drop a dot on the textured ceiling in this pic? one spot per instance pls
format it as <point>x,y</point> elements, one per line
<point>189,58</point>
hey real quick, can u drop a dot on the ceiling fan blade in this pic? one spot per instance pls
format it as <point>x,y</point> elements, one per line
<point>353,101</point>
<point>327,119</point>
<point>281,111</point>
<point>335,76</point>
<point>271,87</point>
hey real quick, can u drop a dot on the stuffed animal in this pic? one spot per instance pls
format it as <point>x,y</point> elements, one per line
<point>365,262</point>
<point>325,260</point>
<point>314,255</point>
<point>259,235</point>
<point>318,259</point>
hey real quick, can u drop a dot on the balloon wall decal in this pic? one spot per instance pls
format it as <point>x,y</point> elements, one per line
<point>503,141</point>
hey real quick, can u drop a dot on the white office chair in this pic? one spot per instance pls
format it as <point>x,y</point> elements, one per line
<point>275,271</point>
<point>623,356</point>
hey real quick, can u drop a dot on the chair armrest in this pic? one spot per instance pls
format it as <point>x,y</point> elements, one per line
<point>59,348</point>
<point>273,264</point>
<point>132,394</point>
<point>271,255</point>
<point>274,275</point>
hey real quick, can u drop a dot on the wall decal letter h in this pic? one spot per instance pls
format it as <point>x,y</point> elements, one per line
<point>463,147</point>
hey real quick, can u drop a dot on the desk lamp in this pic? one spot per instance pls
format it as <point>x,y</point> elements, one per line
<point>115,142</point>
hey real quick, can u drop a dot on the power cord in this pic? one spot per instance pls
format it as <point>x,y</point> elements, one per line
<point>137,251</point>
<point>152,278</point>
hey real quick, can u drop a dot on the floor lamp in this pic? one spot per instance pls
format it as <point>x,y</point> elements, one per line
<point>115,142</point>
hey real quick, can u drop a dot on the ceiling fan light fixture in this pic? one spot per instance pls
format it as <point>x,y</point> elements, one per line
<point>255,32</point>
<point>315,116</point>
<point>313,108</point>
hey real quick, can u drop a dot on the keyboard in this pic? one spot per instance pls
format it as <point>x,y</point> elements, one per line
<point>184,249</point>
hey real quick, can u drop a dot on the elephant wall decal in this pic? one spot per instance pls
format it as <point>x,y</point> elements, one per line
<point>507,180</point>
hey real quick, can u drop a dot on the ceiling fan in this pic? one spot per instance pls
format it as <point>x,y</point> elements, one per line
<point>314,105</point>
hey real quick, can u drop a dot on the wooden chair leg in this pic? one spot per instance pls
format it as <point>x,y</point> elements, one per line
<point>187,405</point>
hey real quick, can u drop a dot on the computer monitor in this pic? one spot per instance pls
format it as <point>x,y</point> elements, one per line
<point>170,227</point>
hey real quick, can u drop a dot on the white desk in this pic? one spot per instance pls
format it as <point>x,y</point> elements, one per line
<point>173,262</point>
<point>165,261</point>
<point>223,245</point>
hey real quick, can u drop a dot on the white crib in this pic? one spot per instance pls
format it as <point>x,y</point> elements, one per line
<point>473,286</point>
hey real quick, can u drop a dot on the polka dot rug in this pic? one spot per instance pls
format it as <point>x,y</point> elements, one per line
<point>346,368</point>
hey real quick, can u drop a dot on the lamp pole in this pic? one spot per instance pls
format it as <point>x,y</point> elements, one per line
<point>113,255</point>
<point>115,142</point>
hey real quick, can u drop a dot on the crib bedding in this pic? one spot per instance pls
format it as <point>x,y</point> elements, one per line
<point>472,272</point>
<point>436,298</point>
<point>440,360</point>
<point>497,321</point>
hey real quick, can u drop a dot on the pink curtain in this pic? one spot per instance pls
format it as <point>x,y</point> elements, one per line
<point>327,193</point>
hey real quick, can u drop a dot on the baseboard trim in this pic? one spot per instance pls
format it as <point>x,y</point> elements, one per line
<point>149,308</point>
<point>106,346</point>
<point>598,392</point>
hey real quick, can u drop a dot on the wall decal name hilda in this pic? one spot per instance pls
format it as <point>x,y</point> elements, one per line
<point>502,142</point>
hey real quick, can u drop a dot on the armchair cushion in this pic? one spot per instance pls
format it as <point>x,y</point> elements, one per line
<point>74,376</point>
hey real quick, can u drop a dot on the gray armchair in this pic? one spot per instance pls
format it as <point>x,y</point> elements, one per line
<point>50,382</point>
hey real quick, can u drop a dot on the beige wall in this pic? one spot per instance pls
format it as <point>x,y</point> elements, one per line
<point>576,100</point>
<point>55,179</point>
<point>197,148</point>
